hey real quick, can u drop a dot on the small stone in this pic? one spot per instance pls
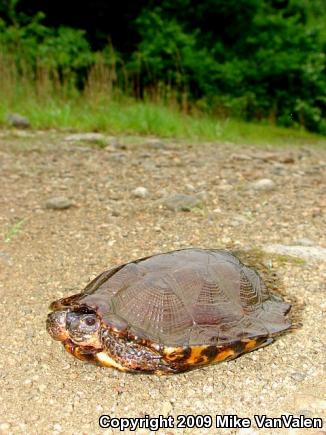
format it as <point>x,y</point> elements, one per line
<point>208,389</point>
<point>278,169</point>
<point>264,184</point>
<point>118,157</point>
<point>287,159</point>
<point>18,121</point>
<point>140,192</point>
<point>42,388</point>
<point>239,220</point>
<point>240,156</point>
<point>58,203</point>
<point>181,202</point>
<point>119,146</point>
<point>57,427</point>
<point>190,187</point>
<point>155,144</point>
<point>268,156</point>
<point>85,137</point>
<point>225,187</point>
<point>5,258</point>
<point>203,195</point>
<point>297,376</point>
<point>109,148</point>
<point>145,155</point>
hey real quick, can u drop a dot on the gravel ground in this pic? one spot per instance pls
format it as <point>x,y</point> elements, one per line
<point>46,254</point>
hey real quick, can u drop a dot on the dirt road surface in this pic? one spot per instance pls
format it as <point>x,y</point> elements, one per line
<point>47,253</point>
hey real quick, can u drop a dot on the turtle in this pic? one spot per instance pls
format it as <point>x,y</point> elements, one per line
<point>170,312</point>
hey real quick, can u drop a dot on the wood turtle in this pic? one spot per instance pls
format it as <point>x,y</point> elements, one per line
<point>169,313</point>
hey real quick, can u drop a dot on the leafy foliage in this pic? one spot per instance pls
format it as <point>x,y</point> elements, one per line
<point>254,59</point>
<point>264,62</point>
<point>63,49</point>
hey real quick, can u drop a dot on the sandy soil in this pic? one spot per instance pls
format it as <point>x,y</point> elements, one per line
<point>46,254</point>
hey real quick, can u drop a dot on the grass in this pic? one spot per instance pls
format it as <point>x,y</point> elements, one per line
<point>128,116</point>
<point>101,108</point>
<point>14,230</point>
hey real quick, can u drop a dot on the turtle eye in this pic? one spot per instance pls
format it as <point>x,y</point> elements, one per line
<point>90,321</point>
<point>81,326</point>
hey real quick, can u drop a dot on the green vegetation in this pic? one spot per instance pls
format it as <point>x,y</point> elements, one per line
<point>14,230</point>
<point>128,116</point>
<point>189,69</point>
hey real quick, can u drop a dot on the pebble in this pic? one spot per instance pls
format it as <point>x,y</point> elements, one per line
<point>155,144</point>
<point>287,159</point>
<point>118,157</point>
<point>304,252</point>
<point>145,155</point>
<point>119,146</point>
<point>140,192</point>
<point>208,389</point>
<point>42,388</point>
<point>58,203</point>
<point>85,137</point>
<point>264,185</point>
<point>268,156</point>
<point>298,377</point>
<point>225,187</point>
<point>239,220</point>
<point>5,258</point>
<point>203,195</point>
<point>181,202</point>
<point>18,121</point>
<point>57,427</point>
<point>279,171</point>
<point>190,187</point>
<point>240,156</point>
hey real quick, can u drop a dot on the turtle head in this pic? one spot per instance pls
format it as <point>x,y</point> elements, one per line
<point>80,326</point>
<point>105,342</point>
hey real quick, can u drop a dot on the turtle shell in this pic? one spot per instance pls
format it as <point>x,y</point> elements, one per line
<point>191,298</point>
